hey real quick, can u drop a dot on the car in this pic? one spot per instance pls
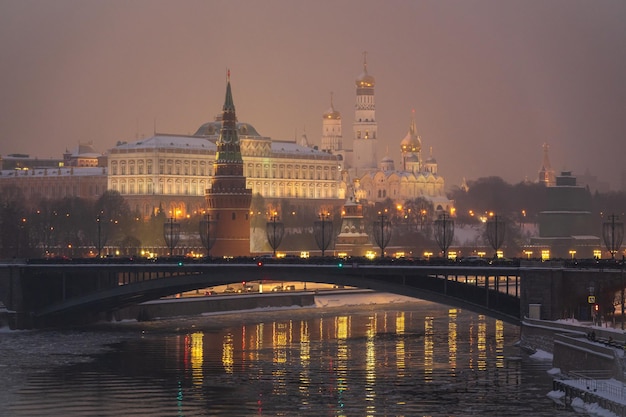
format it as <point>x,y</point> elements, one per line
<point>229,290</point>
<point>277,288</point>
<point>290,288</point>
<point>474,260</point>
<point>503,262</point>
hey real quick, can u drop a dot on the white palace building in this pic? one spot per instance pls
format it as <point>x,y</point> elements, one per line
<point>172,172</point>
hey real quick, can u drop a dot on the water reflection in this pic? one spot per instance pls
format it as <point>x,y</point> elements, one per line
<point>422,359</point>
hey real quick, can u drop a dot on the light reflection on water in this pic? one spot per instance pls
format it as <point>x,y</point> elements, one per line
<point>394,360</point>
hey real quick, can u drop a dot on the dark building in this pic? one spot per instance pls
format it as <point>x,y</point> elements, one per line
<point>565,226</point>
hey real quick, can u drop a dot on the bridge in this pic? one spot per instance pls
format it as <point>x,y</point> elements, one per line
<point>40,295</point>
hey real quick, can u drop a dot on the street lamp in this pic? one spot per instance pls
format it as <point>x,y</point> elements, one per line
<point>275,231</point>
<point>495,233</point>
<point>323,231</point>
<point>613,233</point>
<point>99,242</point>
<point>171,233</point>
<point>444,232</point>
<point>382,231</point>
<point>208,238</point>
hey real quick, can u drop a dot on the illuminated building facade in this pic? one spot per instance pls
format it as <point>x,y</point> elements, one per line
<point>372,181</point>
<point>416,178</point>
<point>172,172</point>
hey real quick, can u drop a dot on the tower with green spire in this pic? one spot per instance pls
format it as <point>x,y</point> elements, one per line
<point>228,199</point>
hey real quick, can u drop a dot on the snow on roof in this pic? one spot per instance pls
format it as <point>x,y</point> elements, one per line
<point>169,141</point>
<point>294,148</point>
<point>54,172</point>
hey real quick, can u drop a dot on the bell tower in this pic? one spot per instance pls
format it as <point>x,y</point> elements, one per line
<point>228,200</point>
<point>365,125</point>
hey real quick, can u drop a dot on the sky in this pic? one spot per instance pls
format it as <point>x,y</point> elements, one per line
<point>490,81</point>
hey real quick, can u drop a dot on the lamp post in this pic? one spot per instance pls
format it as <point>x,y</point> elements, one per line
<point>206,236</point>
<point>495,233</point>
<point>275,231</point>
<point>613,233</point>
<point>382,231</point>
<point>99,246</point>
<point>444,232</point>
<point>323,232</point>
<point>171,233</point>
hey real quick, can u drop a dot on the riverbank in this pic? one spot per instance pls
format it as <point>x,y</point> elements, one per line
<point>227,303</point>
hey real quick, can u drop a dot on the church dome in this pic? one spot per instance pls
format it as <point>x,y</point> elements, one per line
<point>412,158</point>
<point>411,143</point>
<point>331,113</point>
<point>365,80</point>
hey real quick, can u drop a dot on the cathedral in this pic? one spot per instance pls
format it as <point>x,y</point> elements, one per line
<point>372,180</point>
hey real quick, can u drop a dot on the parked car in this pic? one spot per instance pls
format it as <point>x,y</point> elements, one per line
<point>474,260</point>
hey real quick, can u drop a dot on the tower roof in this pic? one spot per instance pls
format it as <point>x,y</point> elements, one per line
<point>365,80</point>
<point>331,113</point>
<point>228,141</point>
<point>411,142</point>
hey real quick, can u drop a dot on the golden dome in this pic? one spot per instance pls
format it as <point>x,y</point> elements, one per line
<point>331,113</point>
<point>411,142</point>
<point>365,80</point>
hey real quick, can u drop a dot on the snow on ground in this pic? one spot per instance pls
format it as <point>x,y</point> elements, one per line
<point>542,355</point>
<point>343,299</point>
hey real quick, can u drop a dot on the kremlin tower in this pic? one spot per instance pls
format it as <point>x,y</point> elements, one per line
<point>228,199</point>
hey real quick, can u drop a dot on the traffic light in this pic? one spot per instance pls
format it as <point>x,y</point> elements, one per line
<point>340,264</point>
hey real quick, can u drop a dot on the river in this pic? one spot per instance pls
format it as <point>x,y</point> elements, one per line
<point>384,359</point>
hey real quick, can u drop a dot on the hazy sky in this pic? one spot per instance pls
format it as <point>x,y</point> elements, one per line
<point>490,81</point>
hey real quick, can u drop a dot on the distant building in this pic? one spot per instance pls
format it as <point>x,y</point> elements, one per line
<point>546,173</point>
<point>565,226</point>
<point>593,183</point>
<point>18,161</point>
<point>84,155</point>
<point>55,183</point>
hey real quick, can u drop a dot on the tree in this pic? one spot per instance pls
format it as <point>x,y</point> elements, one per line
<point>14,230</point>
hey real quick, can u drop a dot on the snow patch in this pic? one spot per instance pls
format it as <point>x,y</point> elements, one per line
<point>542,355</point>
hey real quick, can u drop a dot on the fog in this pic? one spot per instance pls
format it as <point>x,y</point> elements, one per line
<point>490,81</point>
